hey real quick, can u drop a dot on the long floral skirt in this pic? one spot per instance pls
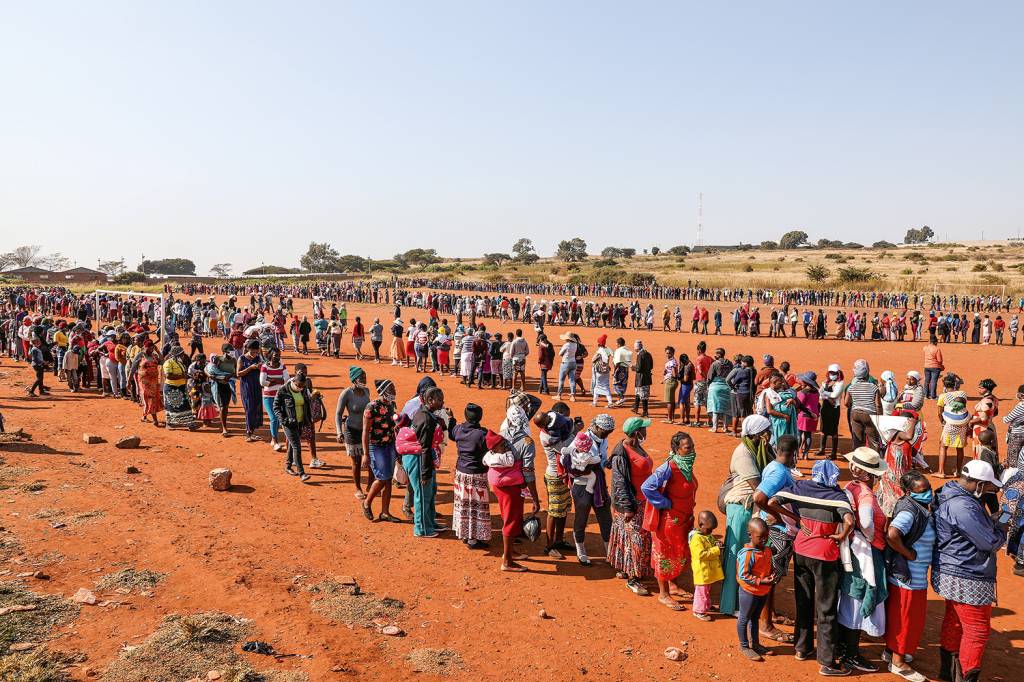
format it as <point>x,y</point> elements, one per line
<point>471,516</point>
<point>629,547</point>
<point>177,405</point>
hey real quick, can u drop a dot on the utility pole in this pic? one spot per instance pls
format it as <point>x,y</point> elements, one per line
<point>700,219</point>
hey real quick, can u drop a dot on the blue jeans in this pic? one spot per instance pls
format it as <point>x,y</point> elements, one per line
<point>543,380</point>
<point>424,514</point>
<point>567,369</point>
<point>750,611</point>
<point>931,382</point>
<point>268,407</point>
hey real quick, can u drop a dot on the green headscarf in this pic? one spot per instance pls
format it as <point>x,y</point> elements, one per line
<point>685,464</point>
<point>763,453</point>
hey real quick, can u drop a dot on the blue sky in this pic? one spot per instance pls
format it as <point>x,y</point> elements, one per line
<point>241,131</point>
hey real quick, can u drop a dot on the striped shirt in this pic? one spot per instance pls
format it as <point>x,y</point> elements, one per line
<point>1015,420</point>
<point>272,379</point>
<point>862,393</point>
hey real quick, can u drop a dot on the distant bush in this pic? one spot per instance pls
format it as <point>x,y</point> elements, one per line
<point>906,271</point>
<point>883,245</point>
<point>834,256</point>
<point>817,273</point>
<point>979,267</point>
<point>769,245</point>
<point>854,275</point>
<point>748,268</point>
<point>853,245</point>
<point>129,278</point>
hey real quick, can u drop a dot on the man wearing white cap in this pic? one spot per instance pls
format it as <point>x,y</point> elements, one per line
<point>964,569</point>
<point>913,391</point>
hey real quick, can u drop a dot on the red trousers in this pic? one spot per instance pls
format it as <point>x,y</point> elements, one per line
<point>904,619</point>
<point>965,629</point>
<point>510,502</point>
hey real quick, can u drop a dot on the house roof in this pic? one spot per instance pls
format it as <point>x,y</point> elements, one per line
<point>25,271</point>
<point>82,271</point>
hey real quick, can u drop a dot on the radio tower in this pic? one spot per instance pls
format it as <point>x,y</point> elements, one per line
<point>700,219</point>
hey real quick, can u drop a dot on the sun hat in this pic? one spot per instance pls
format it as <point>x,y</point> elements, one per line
<point>868,460</point>
<point>604,421</point>
<point>810,378</point>
<point>979,470</point>
<point>914,374</point>
<point>634,424</point>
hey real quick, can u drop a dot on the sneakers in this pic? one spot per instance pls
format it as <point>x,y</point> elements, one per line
<point>833,671</point>
<point>887,657</point>
<point>860,663</point>
<point>317,464</point>
<point>908,674</point>
<point>750,654</point>
<point>801,656</point>
<point>1018,569</point>
<point>636,587</point>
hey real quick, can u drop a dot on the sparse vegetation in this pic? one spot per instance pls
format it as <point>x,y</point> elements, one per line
<point>36,625</point>
<point>131,579</point>
<point>348,604</point>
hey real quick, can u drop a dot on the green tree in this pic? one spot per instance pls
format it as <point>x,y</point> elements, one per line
<point>320,257</point>
<point>523,251</point>
<point>496,258</point>
<point>679,250</point>
<point>572,250</point>
<point>167,266</point>
<point>920,236</point>
<point>129,278</point>
<point>793,239</point>
<point>829,244</point>
<point>769,245</point>
<point>418,257</point>
<point>883,245</point>
<point>817,273</point>
<point>655,250</point>
<point>271,270</point>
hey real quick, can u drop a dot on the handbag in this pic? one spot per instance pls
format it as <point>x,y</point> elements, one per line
<point>401,476</point>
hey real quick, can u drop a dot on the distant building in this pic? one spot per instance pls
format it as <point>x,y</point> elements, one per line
<point>72,276</point>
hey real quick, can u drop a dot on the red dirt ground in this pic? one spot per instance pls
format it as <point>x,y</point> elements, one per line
<point>251,551</point>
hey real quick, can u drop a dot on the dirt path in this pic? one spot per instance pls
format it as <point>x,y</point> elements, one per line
<point>254,551</point>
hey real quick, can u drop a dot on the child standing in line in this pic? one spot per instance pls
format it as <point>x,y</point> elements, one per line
<point>755,577</point>
<point>706,562</point>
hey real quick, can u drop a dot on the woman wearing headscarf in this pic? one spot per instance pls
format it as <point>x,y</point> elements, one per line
<point>1015,433</point>
<point>899,459</point>
<point>248,373</point>
<point>515,432</point>
<point>826,520</point>
<point>911,544</point>
<point>863,400</point>
<point>176,402</point>
<point>985,412</point>
<point>749,458</point>
<point>1011,495</point>
<point>220,369</point>
<point>863,592</point>
<point>379,419</point>
<point>353,400</point>
<point>588,487</point>
<point>147,372</point>
<point>719,395</point>
<point>778,403</point>
<point>831,395</point>
<point>601,371</point>
<point>671,492</point>
<point>955,420</point>
<point>567,368</point>
<point>471,515</point>
<point>629,548</point>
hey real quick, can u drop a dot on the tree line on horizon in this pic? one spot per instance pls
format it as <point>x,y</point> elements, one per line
<point>322,257</point>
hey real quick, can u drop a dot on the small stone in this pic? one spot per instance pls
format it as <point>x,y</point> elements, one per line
<point>59,524</point>
<point>220,479</point>
<point>543,615</point>
<point>132,470</point>
<point>199,455</point>
<point>25,575</point>
<point>39,575</point>
<point>91,438</point>
<point>23,646</point>
<point>674,654</point>
<point>128,443</point>
<point>392,631</point>
<point>123,590</point>
<point>213,675</point>
<point>345,580</point>
<point>84,596</point>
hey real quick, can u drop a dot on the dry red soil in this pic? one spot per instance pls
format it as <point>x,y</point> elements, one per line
<point>251,551</point>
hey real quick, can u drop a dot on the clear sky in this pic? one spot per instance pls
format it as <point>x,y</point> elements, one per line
<point>241,131</point>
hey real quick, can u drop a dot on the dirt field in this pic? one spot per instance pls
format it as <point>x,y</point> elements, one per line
<point>275,551</point>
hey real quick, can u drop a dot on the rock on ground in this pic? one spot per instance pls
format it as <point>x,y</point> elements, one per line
<point>220,479</point>
<point>91,438</point>
<point>128,442</point>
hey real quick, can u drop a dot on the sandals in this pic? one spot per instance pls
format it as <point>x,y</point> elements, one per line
<point>671,604</point>
<point>702,616</point>
<point>777,635</point>
<point>388,517</point>
<point>514,569</point>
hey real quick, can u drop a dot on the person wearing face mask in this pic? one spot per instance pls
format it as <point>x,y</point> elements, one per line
<point>751,456</point>
<point>863,593</point>
<point>378,439</point>
<point>671,492</point>
<point>911,543</point>
<point>589,488</point>
<point>964,569</point>
<point>831,394</point>
<point>629,549</point>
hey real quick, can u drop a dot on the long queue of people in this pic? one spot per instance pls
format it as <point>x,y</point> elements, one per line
<point>862,555</point>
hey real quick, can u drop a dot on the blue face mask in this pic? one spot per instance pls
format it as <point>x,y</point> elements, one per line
<point>924,497</point>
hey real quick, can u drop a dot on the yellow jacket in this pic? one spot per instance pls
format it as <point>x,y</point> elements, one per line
<point>706,559</point>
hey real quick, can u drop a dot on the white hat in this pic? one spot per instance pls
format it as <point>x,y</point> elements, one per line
<point>913,374</point>
<point>833,367</point>
<point>755,424</point>
<point>868,460</point>
<point>979,470</point>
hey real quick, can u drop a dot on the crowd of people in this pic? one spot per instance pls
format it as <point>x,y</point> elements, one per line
<point>862,555</point>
